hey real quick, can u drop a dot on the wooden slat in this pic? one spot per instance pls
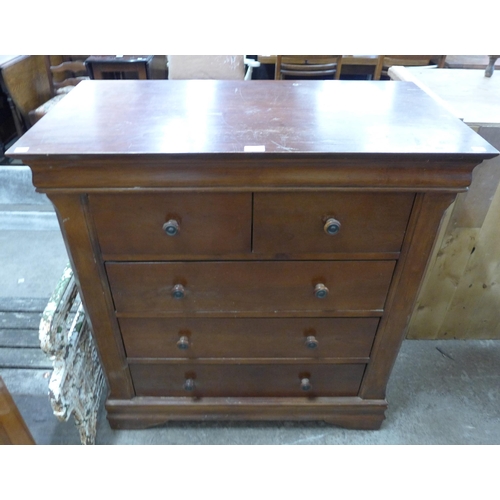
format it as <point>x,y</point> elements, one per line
<point>14,304</point>
<point>19,338</point>
<point>24,358</point>
<point>19,320</point>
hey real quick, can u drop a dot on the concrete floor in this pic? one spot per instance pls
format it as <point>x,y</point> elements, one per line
<point>441,392</point>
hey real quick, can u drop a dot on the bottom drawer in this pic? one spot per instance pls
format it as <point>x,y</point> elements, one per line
<point>246,380</point>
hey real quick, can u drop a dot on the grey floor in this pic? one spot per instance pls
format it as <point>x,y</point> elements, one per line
<point>441,392</point>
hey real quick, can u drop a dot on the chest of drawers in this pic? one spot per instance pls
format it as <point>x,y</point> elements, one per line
<point>249,250</point>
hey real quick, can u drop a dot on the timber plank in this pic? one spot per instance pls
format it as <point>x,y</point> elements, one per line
<point>441,284</point>
<point>475,311</point>
<point>19,338</point>
<point>16,304</point>
<point>19,320</point>
<point>24,358</point>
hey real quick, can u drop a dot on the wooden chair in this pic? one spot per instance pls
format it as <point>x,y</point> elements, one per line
<point>412,60</point>
<point>62,78</point>
<point>300,67</point>
<point>65,73</point>
<point>25,79</point>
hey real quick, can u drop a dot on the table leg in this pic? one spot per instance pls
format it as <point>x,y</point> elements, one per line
<point>491,66</point>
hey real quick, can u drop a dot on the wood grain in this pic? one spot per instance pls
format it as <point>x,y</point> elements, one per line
<point>246,380</point>
<point>294,222</point>
<point>268,288</point>
<point>211,224</point>
<point>13,429</point>
<point>248,338</point>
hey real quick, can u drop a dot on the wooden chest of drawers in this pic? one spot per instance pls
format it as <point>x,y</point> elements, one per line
<point>249,250</point>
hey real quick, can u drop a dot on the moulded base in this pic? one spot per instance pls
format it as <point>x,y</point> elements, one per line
<point>348,412</point>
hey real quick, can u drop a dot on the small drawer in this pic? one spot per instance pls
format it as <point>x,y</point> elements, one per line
<point>246,380</point>
<point>156,225</point>
<point>336,222</point>
<point>191,338</point>
<point>195,288</point>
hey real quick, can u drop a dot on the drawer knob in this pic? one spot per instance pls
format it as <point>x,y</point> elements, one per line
<point>311,342</point>
<point>189,384</point>
<point>178,292</point>
<point>171,227</point>
<point>305,384</point>
<point>332,226</point>
<point>320,291</point>
<point>183,343</point>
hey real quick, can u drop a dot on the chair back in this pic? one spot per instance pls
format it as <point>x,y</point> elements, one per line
<point>300,66</point>
<point>65,72</point>
<point>27,84</point>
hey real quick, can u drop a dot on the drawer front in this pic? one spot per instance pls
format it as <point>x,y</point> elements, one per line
<point>145,224</point>
<point>253,287</point>
<point>246,380</point>
<point>293,223</point>
<point>191,338</point>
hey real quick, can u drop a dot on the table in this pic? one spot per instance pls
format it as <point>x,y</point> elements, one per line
<point>249,250</point>
<point>459,297</point>
<point>469,62</point>
<point>119,67</point>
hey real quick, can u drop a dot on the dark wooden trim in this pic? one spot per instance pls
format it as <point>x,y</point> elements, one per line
<point>197,172</point>
<point>141,413</point>
<point>13,429</point>
<point>76,226</point>
<point>422,230</point>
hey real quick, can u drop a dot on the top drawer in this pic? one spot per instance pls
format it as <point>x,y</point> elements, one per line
<point>335,222</point>
<point>152,225</point>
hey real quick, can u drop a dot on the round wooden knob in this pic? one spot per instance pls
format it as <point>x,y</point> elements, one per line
<point>183,343</point>
<point>305,384</point>
<point>178,292</point>
<point>320,291</point>
<point>311,342</point>
<point>189,384</point>
<point>171,227</point>
<point>332,226</point>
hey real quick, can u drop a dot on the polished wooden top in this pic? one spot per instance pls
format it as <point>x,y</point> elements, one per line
<point>204,117</point>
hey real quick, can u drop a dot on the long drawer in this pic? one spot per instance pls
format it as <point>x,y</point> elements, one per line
<point>249,287</point>
<point>330,222</point>
<point>192,338</point>
<point>246,380</point>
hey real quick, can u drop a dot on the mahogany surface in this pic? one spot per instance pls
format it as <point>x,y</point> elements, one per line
<point>370,222</point>
<point>249,171</point>
<point>196,117</point>
<point>268,338</point>
<point>265,287</point>
<point>247,380</point>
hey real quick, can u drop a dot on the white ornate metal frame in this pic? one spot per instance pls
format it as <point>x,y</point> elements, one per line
<point>77,381</point>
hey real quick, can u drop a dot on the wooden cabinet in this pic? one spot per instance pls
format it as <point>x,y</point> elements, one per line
<point>249,250</point>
